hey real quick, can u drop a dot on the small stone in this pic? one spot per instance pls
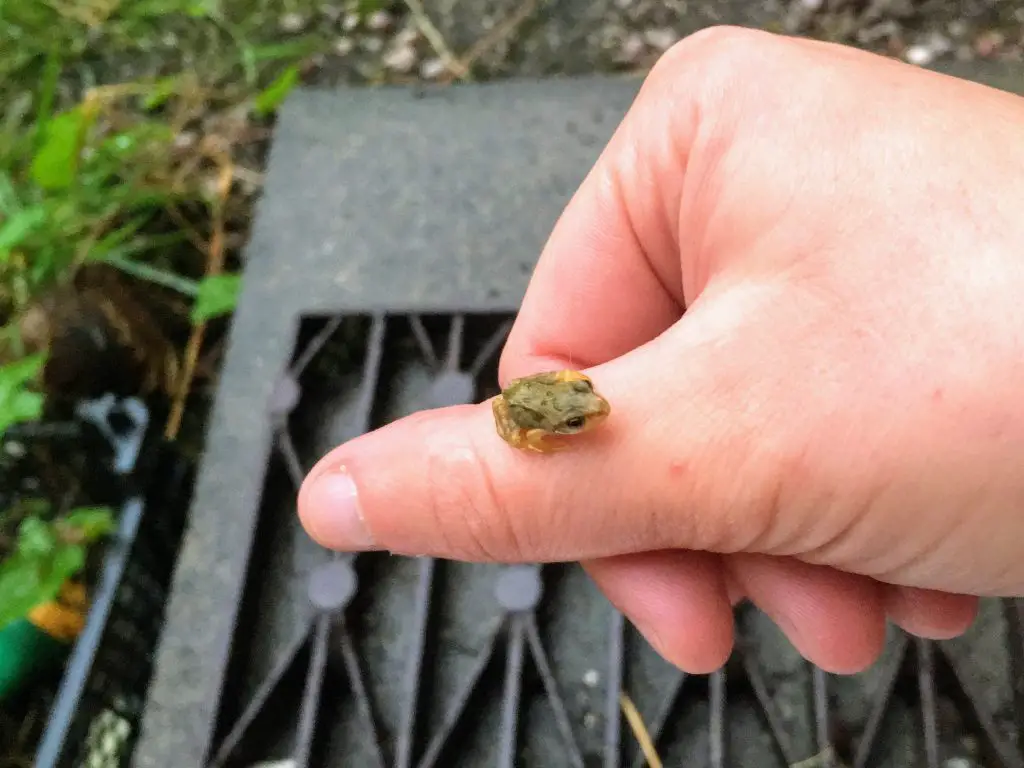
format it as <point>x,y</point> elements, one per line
<point>407,36</point>
<point>210,186</point>
<point>368,69</point>
<point>591,678</point>
<point>957,762</point>
<point>662,39</point>
<point>350,22</point>
<point>15,449</point>
<point>632,48</point>
<point>401,59</point>
<point>185,140</point>
<point>431,69</point>
<point>920,55</point>
<point>957,28</point>
<point>343,46</point>
<point>292,22</point>
<point>812,5</point>
<point>939,43</point>
<point>590,720</point>
<point>885,30</point>
<point>987,43</point>
<point>330,12</point>
<point>170,40</point>
<point>379,21</point>
<point>371,44</point>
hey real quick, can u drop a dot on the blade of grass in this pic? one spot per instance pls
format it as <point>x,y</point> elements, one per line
<point>9,201</point>
<point>144,271</point>
<point>47,91</point>
<point>271,97</point>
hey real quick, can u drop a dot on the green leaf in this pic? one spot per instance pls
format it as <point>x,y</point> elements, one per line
<point>271,97</point>
<point>67,561</point>
<point>26,582</point>
<point>278,51</point>
<point>218,295</point>
<point>35,538</point>
<point>20,407</point>
<point>366,7</point>
<point>56,161</point>
<point>19,589</point>
<point>17,404</point>
<point>163,89</point>
<point>90,523</point>
<point>9,203</point>
<point>18,227</point>
<point>22,371</point>
<point>43,560</point>
<point>203,9</point>
<point>36,571</point>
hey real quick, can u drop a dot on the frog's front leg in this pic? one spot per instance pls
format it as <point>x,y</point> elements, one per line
<point>539,441</point>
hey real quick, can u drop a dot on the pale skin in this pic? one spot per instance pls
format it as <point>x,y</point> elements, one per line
<point>833,428</point>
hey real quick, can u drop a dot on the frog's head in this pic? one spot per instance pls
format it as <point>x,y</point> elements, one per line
<point>577,408</point>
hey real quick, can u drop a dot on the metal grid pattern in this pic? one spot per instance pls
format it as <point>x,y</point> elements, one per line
<point>416,663</point>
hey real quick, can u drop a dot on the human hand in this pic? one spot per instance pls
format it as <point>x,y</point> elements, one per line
<point>833,430</point>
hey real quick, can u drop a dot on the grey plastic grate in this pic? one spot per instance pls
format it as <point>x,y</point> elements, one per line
<point>417,663</point>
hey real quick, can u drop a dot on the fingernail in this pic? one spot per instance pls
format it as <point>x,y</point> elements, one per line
<point>338,521</point>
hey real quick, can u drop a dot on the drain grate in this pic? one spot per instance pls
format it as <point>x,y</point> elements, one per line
<point>418,663</point>
<point>275,649</point>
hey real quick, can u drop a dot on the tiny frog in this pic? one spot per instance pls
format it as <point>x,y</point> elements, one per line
<point>532,413</point>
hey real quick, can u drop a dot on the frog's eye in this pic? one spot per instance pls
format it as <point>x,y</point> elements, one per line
<point>576,422</point>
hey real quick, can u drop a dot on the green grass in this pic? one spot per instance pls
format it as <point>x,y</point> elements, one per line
<point>90,162</point>
<point>105,41</point>
<point>122,126</point>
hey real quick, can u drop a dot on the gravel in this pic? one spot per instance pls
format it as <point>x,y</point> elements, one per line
<point>542,38</point>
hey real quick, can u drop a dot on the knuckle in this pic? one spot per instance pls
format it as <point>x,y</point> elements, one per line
<point>717,58</point>
<point>469,510</point>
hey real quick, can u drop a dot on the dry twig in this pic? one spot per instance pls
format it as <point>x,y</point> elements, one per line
<point>458,68</point>
<point>434,37</point>
<point>501,31</point>
<point>214,266</point>
<point>823,758</point>
<point>643,738</point>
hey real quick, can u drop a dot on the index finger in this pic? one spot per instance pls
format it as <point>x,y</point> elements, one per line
<point>609,278</point>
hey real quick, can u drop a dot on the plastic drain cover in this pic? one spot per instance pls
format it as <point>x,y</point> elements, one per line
<point>332,585</point>
<point>519,588</point>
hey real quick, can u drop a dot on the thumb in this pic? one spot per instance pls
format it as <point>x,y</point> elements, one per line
<point>659,473</point>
